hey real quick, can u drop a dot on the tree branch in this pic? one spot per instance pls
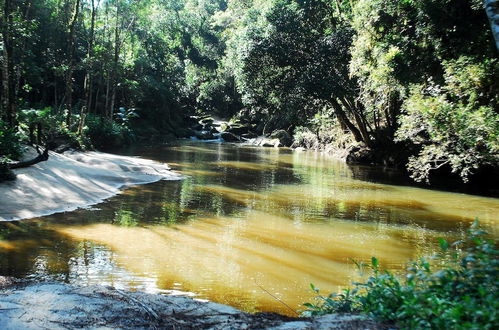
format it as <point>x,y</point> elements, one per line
<point>42,156</point>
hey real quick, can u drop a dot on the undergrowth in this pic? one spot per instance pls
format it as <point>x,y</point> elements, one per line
<point>460,294</point>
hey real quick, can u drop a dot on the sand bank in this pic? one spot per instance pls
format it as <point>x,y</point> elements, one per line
<point>72,180</point>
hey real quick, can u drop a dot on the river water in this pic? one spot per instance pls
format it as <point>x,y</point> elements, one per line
<point>248,227</point>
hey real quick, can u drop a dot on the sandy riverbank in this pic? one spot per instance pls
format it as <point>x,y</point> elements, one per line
<point>72,180</point>
<point>28,305</point>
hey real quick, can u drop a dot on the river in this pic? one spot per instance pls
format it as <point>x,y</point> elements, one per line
<point>248,227</point>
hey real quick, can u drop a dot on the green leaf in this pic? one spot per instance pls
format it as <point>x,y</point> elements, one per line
<point>444,245</point>
<point>314,288</point>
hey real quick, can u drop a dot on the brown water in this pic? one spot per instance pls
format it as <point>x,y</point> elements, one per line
<point>247,224</point>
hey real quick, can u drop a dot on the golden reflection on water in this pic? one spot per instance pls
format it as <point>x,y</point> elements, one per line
<point>244,221</point>
<point>228,259</point>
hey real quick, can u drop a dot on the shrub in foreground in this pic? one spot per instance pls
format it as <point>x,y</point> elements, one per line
<point>461,293</point>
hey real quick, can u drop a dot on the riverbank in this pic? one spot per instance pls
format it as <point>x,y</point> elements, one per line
<point>73,180</point>
<point>25,305</point>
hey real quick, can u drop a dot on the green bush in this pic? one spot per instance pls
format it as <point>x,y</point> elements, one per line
<point>107,134</point>
<point>460,294</point>
<point>323,133</point>
<point>10,148</point>
<point>10,145</point>
<point>305,138</point>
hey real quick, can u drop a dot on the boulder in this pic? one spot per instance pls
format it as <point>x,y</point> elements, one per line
<point>284,138</point>
<point>183,132</point>
<point>238,129</point>
<point>197,127</point>
<point>205,135</point>
<point>63,142</point>
<point>249,135</point>
<point>190,121</point>
<point>229,137</point>
<point>360,154</point>
<point>270,143</point>
<point>207,121</point>
<point>267,142</point>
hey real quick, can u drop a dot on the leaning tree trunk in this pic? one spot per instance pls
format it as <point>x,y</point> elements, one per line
<point>345,122</point>
<point>42,157</point>
<point>492,9</point>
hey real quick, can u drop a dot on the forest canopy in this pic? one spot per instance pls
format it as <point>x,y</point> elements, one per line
<point>415,82</point>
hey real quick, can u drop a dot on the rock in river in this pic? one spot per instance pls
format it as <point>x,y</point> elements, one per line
<point>229,137</point>
<point>284,138</point>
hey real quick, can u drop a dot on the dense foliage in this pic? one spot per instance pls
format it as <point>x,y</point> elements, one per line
<point>87,58</point>
<point>456,123</point>
<point>413,81</point>
<point>453,290</point>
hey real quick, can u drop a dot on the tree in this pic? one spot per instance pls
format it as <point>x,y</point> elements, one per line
<point>9,104</point>
<point>89,75</point>
<point>71,32</point>
<point>456,124</point>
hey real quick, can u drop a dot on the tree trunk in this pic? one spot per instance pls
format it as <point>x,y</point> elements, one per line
<point>88,84</point>
<point>114,72</point>
<point>359,120</point>
<point>21,52</point>
<point>492,9</point>
<point>42,156</point>
<point>9,108</point>
<point>344,121</point>
<point>70,54</point>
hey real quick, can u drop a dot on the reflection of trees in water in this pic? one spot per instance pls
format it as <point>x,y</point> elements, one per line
<point>19,239</point>
<point>224,165</point>
<point>485,185</point>
<point>381,174</point>
<point>31,248</point>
